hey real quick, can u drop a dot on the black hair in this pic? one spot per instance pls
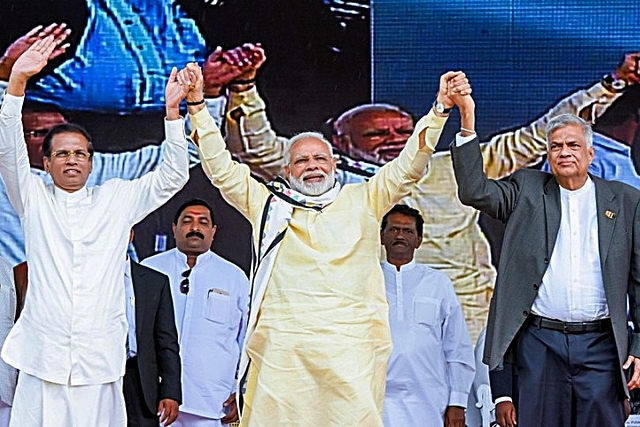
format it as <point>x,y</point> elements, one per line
<point>404,210</point>
<point>65,128</point>
<point>193,202</point>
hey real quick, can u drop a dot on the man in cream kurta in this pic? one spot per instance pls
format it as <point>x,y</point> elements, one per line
<point>318,337</point>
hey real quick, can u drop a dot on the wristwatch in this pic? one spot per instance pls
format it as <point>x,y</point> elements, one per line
<point>440,107</point>
<point>613,83</point>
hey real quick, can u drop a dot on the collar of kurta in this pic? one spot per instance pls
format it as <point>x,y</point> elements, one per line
<point>404,267</point>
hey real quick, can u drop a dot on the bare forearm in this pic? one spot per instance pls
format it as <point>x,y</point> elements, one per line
<point>17,84</point>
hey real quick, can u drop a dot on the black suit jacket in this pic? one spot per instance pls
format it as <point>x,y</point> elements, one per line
<point>157,338</point>
<point>528,202</point>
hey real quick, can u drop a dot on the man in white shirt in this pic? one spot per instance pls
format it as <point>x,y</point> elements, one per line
<point>210,299</point>
<point>432,366</point>
<point>39,117</point>
<point>69,342</point>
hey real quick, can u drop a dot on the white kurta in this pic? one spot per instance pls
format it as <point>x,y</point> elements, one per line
<point>211,321</point>
<point>8,307</point>
<point>73,326</point>
<point>432,364</point>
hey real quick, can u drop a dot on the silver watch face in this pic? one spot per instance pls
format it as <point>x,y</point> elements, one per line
<point>618,84</point>
<point>439,107</point>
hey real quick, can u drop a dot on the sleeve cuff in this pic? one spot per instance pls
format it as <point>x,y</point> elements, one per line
<point>248,101</point>
<point>503,399</point>
<point>12,105</point>
<point>216,107</point>
<point>461,140</point>
<point>457,398</point>
<point>434,125</point>
<point>174,129</point>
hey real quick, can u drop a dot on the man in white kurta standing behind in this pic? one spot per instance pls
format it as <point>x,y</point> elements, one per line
<point>210,299</point>
<point>432,365</point>
<point>318,335</point>
<point>69,342</point>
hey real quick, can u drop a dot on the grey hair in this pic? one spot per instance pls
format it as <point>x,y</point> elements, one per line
<point>304,135</point>
<point>567,119</point>
<point>344,120</point>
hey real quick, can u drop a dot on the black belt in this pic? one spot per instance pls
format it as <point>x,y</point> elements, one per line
<point>602,325</point>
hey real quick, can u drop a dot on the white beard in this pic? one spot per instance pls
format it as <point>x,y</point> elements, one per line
<point>312,188</point>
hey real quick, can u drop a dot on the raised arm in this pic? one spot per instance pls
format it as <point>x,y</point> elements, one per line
<point>14,161</point>
<point>512,150</point>
<point>234,180</point>
<point>393,181</point>
<point>249,134</point>
<point>495,198</point>
<point>155,188</point>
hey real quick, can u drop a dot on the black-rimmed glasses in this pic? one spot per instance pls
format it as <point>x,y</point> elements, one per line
<point>184,285</point>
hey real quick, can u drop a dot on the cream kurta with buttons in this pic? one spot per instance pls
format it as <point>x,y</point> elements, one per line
<point>321,342</point>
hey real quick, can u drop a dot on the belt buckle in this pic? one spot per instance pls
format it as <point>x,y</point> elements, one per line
<point>565,329</point>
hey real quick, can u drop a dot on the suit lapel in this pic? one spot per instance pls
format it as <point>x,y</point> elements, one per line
<point>607,211</point>
<point>137,277</point>
<point>553,213</point>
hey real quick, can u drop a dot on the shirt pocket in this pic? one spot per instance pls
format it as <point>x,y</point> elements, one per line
<point>425,311</point>
<point>216,308</point>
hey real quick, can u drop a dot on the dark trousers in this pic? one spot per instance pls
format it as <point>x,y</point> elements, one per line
<point>568,380</point>
<point>138,414</point>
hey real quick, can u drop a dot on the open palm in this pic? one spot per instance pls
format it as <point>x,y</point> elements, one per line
<point>33,60</point>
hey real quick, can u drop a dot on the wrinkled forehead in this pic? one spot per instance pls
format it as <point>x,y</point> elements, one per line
<point>567,133</point>
<point>309,147</point>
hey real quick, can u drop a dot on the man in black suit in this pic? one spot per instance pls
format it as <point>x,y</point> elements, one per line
<point>152,386</point>
<point>569,261</point>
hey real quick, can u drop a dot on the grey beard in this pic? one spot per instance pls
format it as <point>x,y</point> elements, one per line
<point>312,188</point>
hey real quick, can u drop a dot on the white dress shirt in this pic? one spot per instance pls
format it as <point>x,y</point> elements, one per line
<point>432,365</point>
<point>211,322</point>
<point>73,326</point>
<point>572,288</point>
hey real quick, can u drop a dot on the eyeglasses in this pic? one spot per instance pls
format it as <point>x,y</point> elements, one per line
<point>184,285</point>
<point>80,155</point>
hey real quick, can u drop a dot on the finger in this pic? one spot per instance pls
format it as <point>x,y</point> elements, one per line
<point>628,362</point>
<point>215,55</point>
<point>244,56</point>
<point>62,36</point>
<point>635,379</point>
<point>258,56</point>
<point>59,51</point>
<point>58,29</point>
<point>33,32</point>
<point>229,57</point>
<point>48,30</point>
<point>174,414</point>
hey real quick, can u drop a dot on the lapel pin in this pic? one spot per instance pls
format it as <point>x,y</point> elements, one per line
<point>609,214</point>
